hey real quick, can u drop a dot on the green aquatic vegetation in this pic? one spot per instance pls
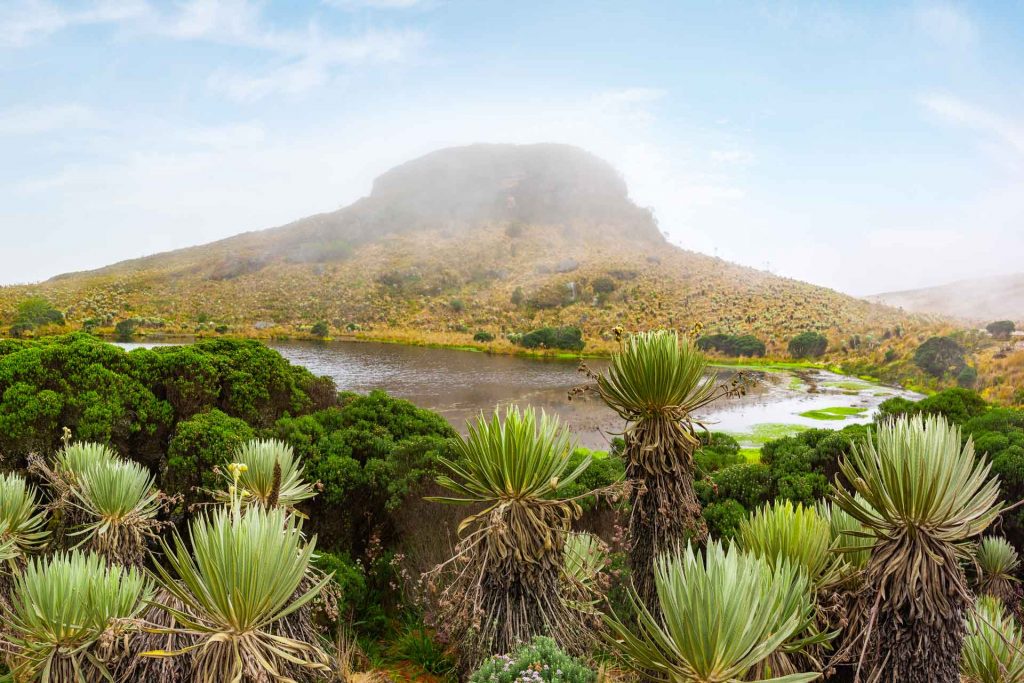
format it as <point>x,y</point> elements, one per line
<point>849,385</point>
<point>836,413</point>
<point>764,432</point>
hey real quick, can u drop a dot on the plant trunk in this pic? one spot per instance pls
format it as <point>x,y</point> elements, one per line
<point>916,614</point>
<point>665,515</point>
<point>922,650</point>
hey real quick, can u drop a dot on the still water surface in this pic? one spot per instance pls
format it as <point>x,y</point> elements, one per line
<point>460,384</point>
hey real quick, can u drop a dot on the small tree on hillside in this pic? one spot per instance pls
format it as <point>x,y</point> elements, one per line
<point>808,345</point>
<point>320,329</point>
<point>1001,329</point>
<point>126,329</point>
<point>940,355</point>
<point>37,311</point>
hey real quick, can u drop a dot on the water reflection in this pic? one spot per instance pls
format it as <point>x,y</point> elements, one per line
<point>459,384</point>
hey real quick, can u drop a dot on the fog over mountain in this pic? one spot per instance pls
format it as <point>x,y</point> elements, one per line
<point>492,237</point>
<point>978,299</point>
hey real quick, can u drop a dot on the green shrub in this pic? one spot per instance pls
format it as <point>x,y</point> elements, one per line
<point>482,336</point>
<point>1001,329</point>
<point>967,377</point>
<point>126,329</point>
<point>939,355</point>
<point>418,645</point>
<point>957,405</point>
<point>199,444</point>
<point>541,660</point>
<point>567,338</point>
<point>808,345</point>
<point>749,484</point>
<point>604,470</point>
<point>320,329</point>
<point>717,450</point>
<point>362,602</point>
<point>36,312</point>
<point>724,518</point>
<point>369,454</point>
<point>732,345</point>
<point>604,285</point>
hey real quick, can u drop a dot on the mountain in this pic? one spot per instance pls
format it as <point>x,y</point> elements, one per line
<point>494,238</point>
<point>980,299</point>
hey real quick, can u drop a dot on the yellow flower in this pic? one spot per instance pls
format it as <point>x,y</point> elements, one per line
<point>242,467</point>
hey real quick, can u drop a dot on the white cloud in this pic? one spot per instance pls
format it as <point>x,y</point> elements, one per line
<point>946,25</point>
<point>300,59</point>
<point>27,21</point>
<point>47,118</point>
<point>956,110</point>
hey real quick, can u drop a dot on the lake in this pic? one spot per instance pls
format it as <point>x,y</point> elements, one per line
<point>460,384</point>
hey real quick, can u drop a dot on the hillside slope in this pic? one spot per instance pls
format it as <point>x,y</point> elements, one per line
<point>499,238</point>
<point>981,299</point>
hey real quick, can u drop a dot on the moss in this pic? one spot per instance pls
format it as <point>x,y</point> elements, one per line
<point>836,413</point>
<point>761,434</point>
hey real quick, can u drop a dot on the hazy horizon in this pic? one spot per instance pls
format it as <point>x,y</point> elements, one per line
<point>866,149</point>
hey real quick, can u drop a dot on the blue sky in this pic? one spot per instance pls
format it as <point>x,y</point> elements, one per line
<point>862,146</point>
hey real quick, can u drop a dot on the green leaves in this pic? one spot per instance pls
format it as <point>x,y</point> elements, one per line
<point>260,456</point>
<point>655,372</point>
<point>914,474</point>
<point>60,607</point>
<point>783,531</point>
<point>75,458</point>
<point>723,613</point>
<point>519,458</point>
<point>993,650</point>
<point>997,562</point>
<point>22,527</point>
<point>113,491</point>
<point>238,579</point>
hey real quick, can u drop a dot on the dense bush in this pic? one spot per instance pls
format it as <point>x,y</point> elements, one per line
<point>369,453</point>
<point>1001,329</point>
<point>956,405</point>
<point>939,355</point>
<point>604,285</point>
<point>605,470</point>
<point>483,336</point>
<point>567,338</point>
<point>135,401</point>
<point>541,660</point>
<point>808,345</point>
<point>35,312</point>
<point>199,444</point>
<point>717,450</point>
<point>797,468</point>
<point>732,345</point>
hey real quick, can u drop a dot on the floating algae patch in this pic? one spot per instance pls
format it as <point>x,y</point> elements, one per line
<point>836,413</point>
<point>850,385</point>
<point>764,432</point>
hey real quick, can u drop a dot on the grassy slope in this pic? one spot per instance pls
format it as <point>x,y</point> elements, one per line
<point>428,287</point>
